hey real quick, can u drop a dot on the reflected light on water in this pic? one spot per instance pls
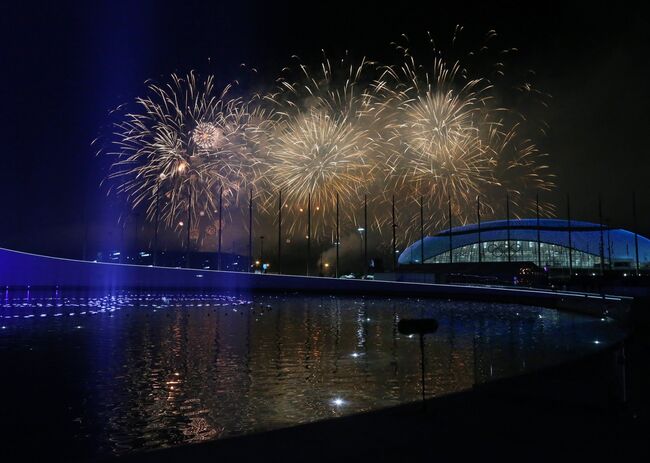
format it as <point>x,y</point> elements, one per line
<point>152,370</point>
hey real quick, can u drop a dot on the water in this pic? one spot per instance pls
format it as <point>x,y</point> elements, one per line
<point>113,374</point>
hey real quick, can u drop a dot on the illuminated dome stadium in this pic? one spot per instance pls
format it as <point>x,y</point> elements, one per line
<point>550,244</point>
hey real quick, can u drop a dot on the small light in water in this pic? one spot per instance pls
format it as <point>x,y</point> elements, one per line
<point>355,354</point>
<point>338,402</point>
<point>4,327</point>
<point>411,336</point>
<point>540,316</point>
<point>596,341</point>
<point>367,319</point>
<point>78,327</point>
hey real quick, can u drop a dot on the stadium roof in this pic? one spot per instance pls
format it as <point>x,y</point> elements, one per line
<point>585,237</point>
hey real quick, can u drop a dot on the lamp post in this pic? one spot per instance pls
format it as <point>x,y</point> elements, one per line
<point>262,249</point>
<point>250,230</point>
<point>636,234</point>
<point>280,231</point>
<point>220,227</point>
<point>539,240</point>
<point>365,230</point>
<point>161,177</point>
<point>338,235</point>
<point>568,218</point>
<point>394,238</point>
<point>478,221</point>
<point>361,256</point>
<point>508,224</point>
<point>308,232</point>
<point>189,225</point>
<point>602,240</point>
<point>421,230</point>
<point>451,258</point>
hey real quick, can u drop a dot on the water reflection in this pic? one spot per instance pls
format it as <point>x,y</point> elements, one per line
<point>159,370</point>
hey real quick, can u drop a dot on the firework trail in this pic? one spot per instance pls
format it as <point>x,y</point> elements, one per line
<point>448,137</point>
<point>320,144</point>
<point>187,142</point>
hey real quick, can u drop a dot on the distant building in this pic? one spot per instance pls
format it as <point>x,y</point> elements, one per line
<point>548,246</point>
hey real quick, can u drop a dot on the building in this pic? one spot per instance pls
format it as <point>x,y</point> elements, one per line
<point>552,245</point>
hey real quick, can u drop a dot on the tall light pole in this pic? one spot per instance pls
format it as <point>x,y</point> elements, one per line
<point>308,232</point>
<point>361,230</point>
<point>568,217</point>
<point>365,230</point>
<point>508,224</point>
<point>602,238</point>
<point>338,235</point>
<point>539,238</point>
<point>394,238</point>
<point>451,259</point>
<point>262,250</point>
<point>422,230</point>
<point>250,230</point>
<point>189,225</point>
<point>478,220</point>
<point>161,177</point>
<point>220,227</point>
<point>135,237</point>
<point>280,231</point>
<point>636,234</point>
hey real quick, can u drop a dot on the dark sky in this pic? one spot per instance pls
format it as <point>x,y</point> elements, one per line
<point>64,65</point>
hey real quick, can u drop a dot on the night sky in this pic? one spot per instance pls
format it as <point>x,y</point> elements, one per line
<point>65,65</point>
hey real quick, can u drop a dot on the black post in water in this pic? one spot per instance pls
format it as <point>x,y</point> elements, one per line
<point>508,224</point>
<point>422,230</point>
<point>421,327</point>
<point>539,238</point>
<point>156,225</point>
<point>478,221</point>
<point>636,235</point>
<point>308,232</point>
<point>338,236</point>
<point>220,227</point>
<point>280,232</point>
<point>189,225</point>
<point>250,230</point>
<point>394,239</point>
<point>568,217</point>
<point>451,259</point>
<point>602,240</point>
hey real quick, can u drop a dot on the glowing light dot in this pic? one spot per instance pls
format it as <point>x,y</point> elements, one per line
<point>338,402</point>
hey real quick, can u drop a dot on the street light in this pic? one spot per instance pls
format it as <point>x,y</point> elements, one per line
<point>326,265</point>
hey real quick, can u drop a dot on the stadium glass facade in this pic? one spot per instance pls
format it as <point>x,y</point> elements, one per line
<point>551,255</point>
<point>549,243</point>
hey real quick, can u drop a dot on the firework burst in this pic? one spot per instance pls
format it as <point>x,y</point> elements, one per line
<point>321,144</point>
<point>184,143</point>
<point>449,140</point>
